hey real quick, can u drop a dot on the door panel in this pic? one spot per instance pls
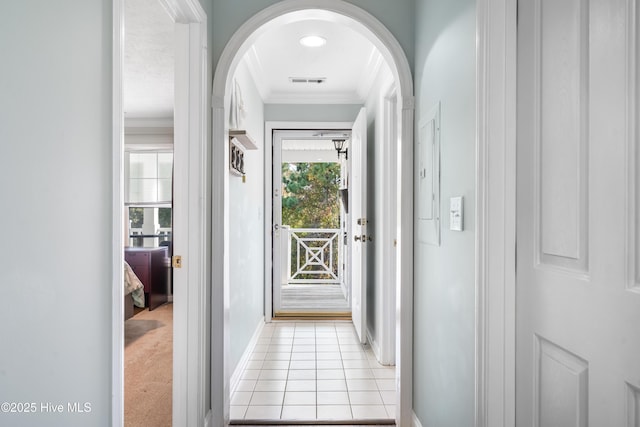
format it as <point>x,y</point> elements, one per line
<point>577,339</point>
<point>358,215</point>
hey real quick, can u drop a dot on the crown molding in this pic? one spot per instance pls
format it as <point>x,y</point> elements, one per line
<point>148,134</point>
<point>148,125</point>
<point>314,98</point>
<point>254,65</point>
<point>184,11</point>
<point>374,65</point>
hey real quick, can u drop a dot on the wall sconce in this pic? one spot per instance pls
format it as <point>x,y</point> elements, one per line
<point>338,144</point>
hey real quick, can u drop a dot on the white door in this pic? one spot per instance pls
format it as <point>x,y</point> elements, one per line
<point>305,257</point>
<point>578,305</point>
<point>280,234</point>
<point>358,223</point>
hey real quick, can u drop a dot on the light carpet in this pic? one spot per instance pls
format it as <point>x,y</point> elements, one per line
<point>148,368</point>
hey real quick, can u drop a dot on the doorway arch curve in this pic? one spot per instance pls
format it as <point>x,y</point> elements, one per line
<point>376,32</point>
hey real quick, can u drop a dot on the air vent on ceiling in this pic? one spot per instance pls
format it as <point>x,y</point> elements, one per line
<point>307,79</point>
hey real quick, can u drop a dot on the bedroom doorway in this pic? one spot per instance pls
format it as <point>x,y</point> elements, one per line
<point>148,163</point>
<point>183,134</point>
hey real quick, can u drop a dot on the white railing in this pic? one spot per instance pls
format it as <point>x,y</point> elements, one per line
<point>311,255</point>
<point>163,233</point>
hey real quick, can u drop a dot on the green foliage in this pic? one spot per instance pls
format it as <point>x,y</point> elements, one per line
<point>310,195</point>
<point>164,217</point>
<point>136,216</point>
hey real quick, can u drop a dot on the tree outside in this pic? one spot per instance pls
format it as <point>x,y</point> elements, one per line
<point>310,200</point>
<point>136,216</point>
<point>136,219</point>
<point>310,195</point>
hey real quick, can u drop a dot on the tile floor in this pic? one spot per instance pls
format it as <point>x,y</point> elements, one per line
<point>313,371</point>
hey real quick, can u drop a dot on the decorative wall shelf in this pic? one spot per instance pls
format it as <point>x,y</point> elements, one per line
<point>239,141</point>
<point>243,139</point>
<point>236,159</point>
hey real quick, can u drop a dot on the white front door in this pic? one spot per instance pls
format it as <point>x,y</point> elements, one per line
<point>280,234</point>
<point>578,305</point>
<point>358,223</point>
<point>307,249</point>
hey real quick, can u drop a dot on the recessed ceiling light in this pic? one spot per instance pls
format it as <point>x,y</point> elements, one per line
<point>313,41</point>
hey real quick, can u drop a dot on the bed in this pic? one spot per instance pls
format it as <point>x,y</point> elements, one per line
<point>133,291</point>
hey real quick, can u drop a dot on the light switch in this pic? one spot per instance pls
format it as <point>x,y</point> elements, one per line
<point>455,217</point>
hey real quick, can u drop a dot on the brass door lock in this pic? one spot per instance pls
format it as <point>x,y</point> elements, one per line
<point>176,261</point>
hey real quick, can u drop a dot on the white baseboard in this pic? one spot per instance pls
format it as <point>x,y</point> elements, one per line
<point>208,419</point>
<point>374,345</point>
<point>415,422</point>
<point>242,364</point>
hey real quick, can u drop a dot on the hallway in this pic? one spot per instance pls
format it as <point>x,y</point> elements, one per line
<point>308,370</point>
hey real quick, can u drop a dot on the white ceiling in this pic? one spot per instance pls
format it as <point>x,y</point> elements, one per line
<point>348,61</point>
<point>148,60</point>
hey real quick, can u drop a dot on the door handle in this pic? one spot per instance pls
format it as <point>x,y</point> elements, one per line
<point>362,238</point>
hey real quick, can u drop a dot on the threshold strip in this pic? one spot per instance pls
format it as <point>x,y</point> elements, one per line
<point>370,422</point>
<point>313,315</point>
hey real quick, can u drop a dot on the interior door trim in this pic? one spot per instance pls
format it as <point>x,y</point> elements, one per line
<point>269,128</point>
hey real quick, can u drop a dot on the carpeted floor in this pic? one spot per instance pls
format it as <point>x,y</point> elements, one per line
<point>148,368</point>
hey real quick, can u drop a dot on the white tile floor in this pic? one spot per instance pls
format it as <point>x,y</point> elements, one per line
<point>313,371</point>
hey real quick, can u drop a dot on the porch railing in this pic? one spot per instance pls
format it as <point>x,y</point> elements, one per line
<point>137,236</point>
<point>311,255</point>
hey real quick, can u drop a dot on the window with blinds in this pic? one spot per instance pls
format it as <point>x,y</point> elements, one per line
<point>150,177</point>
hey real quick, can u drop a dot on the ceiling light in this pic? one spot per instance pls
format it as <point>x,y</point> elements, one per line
<point>313,41</point>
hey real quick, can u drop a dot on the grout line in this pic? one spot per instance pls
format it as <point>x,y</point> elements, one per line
<point>316,360</point>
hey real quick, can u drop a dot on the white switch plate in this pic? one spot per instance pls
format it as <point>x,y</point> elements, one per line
<point>455,214</point>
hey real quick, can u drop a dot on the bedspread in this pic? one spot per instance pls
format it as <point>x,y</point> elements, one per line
<point>133,286</point>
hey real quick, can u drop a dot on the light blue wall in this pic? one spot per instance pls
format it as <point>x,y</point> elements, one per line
<point>228,15</point>
<point>311,112</point>
<point>55,187</point>
<point>444,278</point>
<point>246,228</point>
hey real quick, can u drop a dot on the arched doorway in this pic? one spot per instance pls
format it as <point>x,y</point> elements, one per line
<point>379,35</point>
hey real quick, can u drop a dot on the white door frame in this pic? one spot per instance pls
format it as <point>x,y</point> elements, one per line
<point>269,128</point>
<point>358,212</point>
<point>190,189</point>
<point>379,35</point>
<point>389,228</point>
<point>495,212</point>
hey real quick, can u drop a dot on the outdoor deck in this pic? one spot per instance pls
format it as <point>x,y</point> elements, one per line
<point>321,298</point>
